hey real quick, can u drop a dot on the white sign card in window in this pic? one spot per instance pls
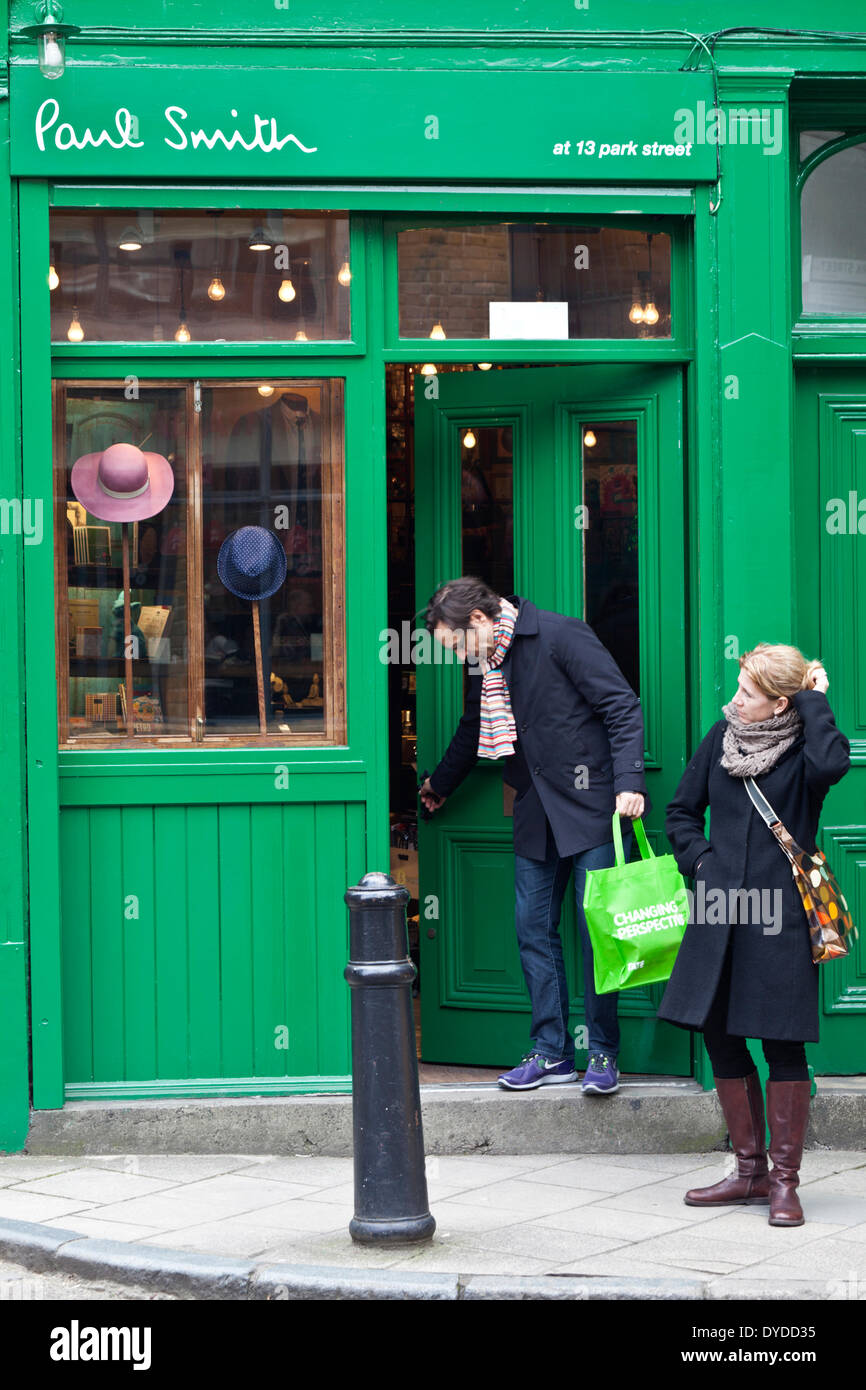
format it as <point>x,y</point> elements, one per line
<point>509,319</point>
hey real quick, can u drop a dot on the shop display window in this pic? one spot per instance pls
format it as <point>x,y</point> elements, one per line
<point>223,620</point>
<point>533,281</point>
<point>226,275</point>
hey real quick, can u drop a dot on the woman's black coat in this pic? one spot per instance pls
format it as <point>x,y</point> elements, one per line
<point>774,982</point>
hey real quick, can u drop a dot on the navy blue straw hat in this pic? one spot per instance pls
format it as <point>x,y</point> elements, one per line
<point>252,563</point>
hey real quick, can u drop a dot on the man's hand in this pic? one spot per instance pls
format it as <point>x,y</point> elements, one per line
<point>429,797</point>
<point>630,804</point>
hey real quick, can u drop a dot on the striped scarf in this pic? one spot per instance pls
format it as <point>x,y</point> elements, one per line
<point>498,732</point>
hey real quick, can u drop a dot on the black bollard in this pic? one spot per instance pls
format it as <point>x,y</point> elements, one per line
<point>391,1205</point>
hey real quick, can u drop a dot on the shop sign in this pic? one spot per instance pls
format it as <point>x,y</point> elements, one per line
<point>301,124</point>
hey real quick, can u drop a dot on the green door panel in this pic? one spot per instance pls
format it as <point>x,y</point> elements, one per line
<point>830,545</point>
<point>525,480</point>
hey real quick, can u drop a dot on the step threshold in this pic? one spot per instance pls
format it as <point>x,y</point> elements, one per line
<point>657,1115</point>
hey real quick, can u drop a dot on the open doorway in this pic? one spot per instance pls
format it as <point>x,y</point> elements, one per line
<point>406,606</point>
<point>492,472</point>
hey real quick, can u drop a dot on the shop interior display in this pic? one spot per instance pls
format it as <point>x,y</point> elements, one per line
<point>151,642</point>
<point>252,566</point>
<point>121,484</point>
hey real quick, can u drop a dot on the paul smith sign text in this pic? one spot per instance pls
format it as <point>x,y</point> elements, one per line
<point>245,123</point>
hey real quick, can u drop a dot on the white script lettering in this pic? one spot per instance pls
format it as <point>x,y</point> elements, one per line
<point>259,141</point>
<point>65,137</point>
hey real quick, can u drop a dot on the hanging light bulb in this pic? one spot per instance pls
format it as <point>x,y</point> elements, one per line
<point>265,389</point>
<point>50,36</point>
<point>344,274</point>
<point>216,290</point>
<point>437,331</point>
<point>129,240</point>
<point>635,313</point>
<point>50,56</point>
<point>182,333</point>
<point>287,291</point>
<point>258,241</point>
<point>53,278</point>
<point>428,369</point>
<point>469,440</point>
<point>590,440</point>
<point>75,332</point>
<point>484,366</point>
<point>301,337</point>
<point>650,313</point>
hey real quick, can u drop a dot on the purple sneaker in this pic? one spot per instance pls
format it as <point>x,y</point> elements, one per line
<point>535,1070</point>
<point>601,1076</point>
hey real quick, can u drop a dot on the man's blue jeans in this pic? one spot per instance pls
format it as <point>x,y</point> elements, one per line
<point>539,889</point>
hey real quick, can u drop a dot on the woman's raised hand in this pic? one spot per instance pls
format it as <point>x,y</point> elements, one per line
<point>817,676</point>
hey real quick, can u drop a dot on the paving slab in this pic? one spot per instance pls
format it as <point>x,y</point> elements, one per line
<point>35,1206</point>
<point>522,1195</point>
<point>183,1167</point>
<point>611,1224</point>
<point>829,1257</point>
<point>302,1215</point>
<point>549,1243</point>
<point>95,1185</point>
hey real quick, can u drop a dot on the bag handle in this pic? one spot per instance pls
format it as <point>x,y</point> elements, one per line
<point>646,849</point>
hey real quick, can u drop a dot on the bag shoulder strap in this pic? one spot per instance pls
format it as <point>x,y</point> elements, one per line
<point>761,803</point>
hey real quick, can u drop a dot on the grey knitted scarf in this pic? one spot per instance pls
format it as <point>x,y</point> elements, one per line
<point>750,749</point>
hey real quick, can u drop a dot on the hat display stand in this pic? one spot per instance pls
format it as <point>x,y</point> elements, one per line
<point>260,675</point>
<point>127,630</point>
<point>122,483</point>
<point>252,565</point>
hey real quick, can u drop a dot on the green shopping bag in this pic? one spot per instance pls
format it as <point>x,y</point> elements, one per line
<point>636,914</point>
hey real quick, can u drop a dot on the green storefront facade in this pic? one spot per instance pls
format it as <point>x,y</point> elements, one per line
<point>667,232</point>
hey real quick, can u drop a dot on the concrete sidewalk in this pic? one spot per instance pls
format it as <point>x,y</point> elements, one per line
<point>600,1221</point>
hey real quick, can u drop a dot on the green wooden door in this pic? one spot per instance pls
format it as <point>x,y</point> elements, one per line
<point>830,554</point>
<point>568,490</point>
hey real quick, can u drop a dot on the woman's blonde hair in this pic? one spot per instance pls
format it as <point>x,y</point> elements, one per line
<point>778,670</point>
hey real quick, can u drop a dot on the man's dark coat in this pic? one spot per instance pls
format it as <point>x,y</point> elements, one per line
<point>774,982</point>
<point>579,729</point>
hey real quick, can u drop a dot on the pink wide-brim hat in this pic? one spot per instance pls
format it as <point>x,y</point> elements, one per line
<point>122,483</point>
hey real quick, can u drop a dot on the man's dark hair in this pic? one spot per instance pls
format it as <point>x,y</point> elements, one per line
<point>455,601</point>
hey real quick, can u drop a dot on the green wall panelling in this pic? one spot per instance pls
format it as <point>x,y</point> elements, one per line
<point>206,944</point>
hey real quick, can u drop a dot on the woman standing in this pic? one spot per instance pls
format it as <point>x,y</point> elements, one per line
<point>745,967</point>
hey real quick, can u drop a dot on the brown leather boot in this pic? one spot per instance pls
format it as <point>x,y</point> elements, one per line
<point>742,1102</point>
<point>788,1114</point>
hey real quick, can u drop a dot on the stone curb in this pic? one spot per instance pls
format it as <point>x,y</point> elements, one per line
<point>52,1249</point>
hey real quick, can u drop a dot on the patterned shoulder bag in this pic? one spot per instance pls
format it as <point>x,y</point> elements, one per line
<point>827,912</point>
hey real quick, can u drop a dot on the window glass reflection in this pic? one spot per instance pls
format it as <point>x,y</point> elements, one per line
<point>833,227</point>
<point>215,644</point>
<point>488,507</point>
<point>94,699</point>
<point>573,282</point>
<point>145,275</point>
<point>609,453</point>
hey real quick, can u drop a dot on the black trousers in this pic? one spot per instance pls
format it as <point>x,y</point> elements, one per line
<point>728,1053</point>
